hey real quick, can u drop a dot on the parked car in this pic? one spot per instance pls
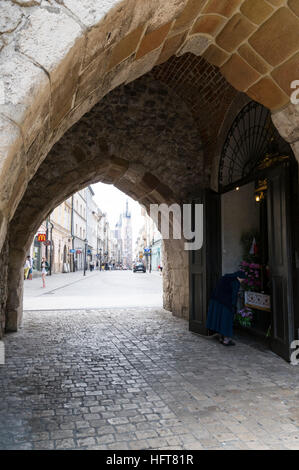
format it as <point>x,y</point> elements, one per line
<point>139,267</point>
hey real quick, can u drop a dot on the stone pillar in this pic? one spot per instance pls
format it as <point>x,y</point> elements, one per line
<point>286,122</point>
<point>3,285</point>
<point>176,278</point>
<point>15,281</point>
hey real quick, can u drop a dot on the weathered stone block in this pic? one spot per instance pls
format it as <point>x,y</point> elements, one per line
<point>148,183</point>
<point>285,74</point>
<point>253,59</point>
<point>140,67</point>
<point>276,3</point>
<point>162,193</point>
<point>256,10</point>
<point>294,5</point>
<point>11,149</point>
<point>287,123</point>
<point>11,17</point>
<point>126,47</point>
<point>268,93</point>
<point>235,31</point>
<point>196,44</point>
<point>239,73</point>
<point>4,258</point>
<point>61,57</point>
<point>278,37</point>
<point>26,93</point>
<point>224,7</point>
<point>171,46</point>
<point>90,78</point>
<point>215,55</point>
<point>188,15</point>
<point>208,24</point>
<point>152,40</point>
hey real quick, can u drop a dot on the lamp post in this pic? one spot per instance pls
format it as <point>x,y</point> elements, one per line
<point>100,251</point>
<point>85,250</point>
<point>50,243</point>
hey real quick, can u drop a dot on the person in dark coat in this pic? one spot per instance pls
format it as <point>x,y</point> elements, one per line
<point>222,306</point>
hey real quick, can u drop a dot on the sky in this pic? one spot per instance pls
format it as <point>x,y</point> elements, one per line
<point>112,201</point>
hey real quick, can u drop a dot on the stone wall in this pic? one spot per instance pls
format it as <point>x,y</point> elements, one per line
<point>58,58</point>
<point>3,286</point>
<point>176,278</point>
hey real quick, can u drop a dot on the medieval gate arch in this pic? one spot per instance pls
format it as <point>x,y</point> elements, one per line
<point>59,58</point>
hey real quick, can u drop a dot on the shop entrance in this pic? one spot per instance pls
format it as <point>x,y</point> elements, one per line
<point>252,223</point>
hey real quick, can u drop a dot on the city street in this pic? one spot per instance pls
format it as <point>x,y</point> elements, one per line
<point>95,290</point>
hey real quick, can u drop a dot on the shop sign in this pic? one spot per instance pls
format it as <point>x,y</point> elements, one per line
<point>41,237</point>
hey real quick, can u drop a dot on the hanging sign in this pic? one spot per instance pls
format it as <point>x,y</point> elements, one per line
<point>41,237</point>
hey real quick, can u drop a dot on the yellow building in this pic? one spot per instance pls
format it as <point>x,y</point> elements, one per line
<point>60,226</point>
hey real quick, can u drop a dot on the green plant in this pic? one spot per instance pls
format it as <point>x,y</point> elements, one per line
<point>244,317</point>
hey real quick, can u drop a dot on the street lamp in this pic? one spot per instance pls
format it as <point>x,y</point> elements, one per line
<point>100,252</point>
<point>85,250</point>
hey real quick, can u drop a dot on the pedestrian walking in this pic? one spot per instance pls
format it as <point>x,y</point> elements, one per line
<point>31,267</point>
<point>44,270</point>
<point>26,268</point>
<point>222,306</point>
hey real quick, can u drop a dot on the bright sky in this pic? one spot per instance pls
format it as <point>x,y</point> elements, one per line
<point>112,201</point>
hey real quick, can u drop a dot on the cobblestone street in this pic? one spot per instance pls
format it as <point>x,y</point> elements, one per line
<point>138,379</point>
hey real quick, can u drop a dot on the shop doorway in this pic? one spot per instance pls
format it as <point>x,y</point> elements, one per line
<point>251,223</point>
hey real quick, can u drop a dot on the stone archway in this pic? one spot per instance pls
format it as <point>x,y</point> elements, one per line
<point>58,59</point>
<point>141,139</point>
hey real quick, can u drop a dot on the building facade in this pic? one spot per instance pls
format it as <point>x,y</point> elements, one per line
<point>148,246</point>
<point>79,227</point>
<point>123,236</point>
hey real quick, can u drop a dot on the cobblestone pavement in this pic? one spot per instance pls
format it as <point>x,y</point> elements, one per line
<point>138,379</point>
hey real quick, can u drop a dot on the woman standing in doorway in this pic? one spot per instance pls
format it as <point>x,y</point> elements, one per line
<point>44,269</point>
<point>222,306</point>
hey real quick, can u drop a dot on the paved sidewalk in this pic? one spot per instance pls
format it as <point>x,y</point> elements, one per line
<point>138,379</point>
<point>98,289</point>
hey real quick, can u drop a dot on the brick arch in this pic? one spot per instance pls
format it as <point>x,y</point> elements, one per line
<point>58,60</point>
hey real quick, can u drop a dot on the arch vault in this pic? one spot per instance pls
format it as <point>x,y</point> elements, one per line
<point>60,58</point>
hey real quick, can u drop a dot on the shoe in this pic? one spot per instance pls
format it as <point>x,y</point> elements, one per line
<point>229,343</point>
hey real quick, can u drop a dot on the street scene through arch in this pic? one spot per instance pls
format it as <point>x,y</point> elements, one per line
<point>104,241</point>
<point>175,103</point>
